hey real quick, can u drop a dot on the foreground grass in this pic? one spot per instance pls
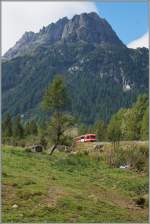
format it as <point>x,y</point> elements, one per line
<point>68,188</point>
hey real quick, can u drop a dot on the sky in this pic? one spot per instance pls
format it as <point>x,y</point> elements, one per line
<point>129,20</point>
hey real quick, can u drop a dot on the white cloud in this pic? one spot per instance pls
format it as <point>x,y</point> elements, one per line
<point>18,17</point>
<point>140,42</point>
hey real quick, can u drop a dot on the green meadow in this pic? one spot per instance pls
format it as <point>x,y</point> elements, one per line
<point>37,187</point>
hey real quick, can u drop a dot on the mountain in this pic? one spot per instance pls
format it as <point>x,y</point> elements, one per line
<point>85,27</point>
<point>101,73</point>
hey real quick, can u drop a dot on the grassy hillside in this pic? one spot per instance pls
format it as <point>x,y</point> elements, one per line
<point>68,188</point>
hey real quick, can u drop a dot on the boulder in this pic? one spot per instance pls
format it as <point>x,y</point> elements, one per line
<point>99,148</point>
<point>37,148</point>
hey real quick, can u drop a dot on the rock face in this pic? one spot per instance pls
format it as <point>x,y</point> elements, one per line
<point>21,46</point>
<point>90,28</point>
<point>31,40</point>
<point>85,27</point>
<point>101,73</point>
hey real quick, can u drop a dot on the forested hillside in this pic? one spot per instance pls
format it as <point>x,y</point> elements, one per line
<point>127,124</point>
<point>101,74</point>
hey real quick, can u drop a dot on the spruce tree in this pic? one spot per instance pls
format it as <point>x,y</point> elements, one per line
<point>55,101</point>
<point>18,131</point>
<point>33,128</point>
<point>7,126</point>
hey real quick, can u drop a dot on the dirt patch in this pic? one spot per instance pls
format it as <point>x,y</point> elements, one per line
<point>113,197</point>
<point>117,199</point>
<point>54,193</point>
<point>8,194</point>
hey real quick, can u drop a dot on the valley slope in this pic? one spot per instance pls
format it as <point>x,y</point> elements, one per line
<point>101,73</point>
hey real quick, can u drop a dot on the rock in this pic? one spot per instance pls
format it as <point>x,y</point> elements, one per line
<point>124,166</point>
<point>37,148</point>
<point>73,153</point>
<point>90,27</point>
<point>23,43</point>
<point>84,27</point>
<point>15,206</point>
<point>34,148</point>
<point>61,147</point>
<point>99,147</point>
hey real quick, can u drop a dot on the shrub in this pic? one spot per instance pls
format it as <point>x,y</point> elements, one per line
<point>142,201</point>
<point>136,158</point>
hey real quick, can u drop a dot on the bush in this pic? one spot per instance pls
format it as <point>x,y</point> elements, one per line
<point>120,157</point>
<point>142,201</point>
<point>66,140</point>
<point>136,158</point>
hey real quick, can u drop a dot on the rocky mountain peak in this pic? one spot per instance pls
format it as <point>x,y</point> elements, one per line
<point>90,27</point>
<point>88,54</point>
<point>23,43</point>
<point>28,36</point>
<point>87,27</point>
<point>54,30</point>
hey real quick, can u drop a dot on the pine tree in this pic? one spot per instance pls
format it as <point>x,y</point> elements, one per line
<point>27,129</point>
<point>7,126</point>
<point>33,128</point>
<point>18,131</point>
<point>55,101</point>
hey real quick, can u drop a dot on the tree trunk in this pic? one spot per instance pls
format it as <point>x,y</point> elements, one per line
<point>59,132</point>
<point>53,149</point>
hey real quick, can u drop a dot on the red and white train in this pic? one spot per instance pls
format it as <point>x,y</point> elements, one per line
<point>86,138</point>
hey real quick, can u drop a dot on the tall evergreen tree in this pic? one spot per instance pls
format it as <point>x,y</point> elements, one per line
<point>55,101</point>
<point>7,126</point>
<point>18,131</point>
<point>27,128</point>
<point>33,128</point>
